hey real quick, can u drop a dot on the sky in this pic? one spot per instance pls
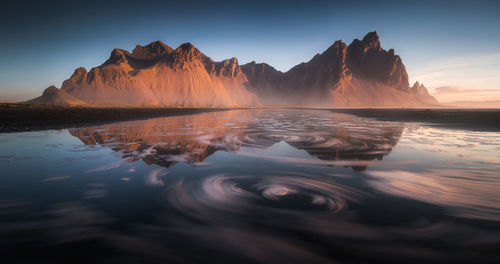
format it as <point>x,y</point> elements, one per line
<point>449,46</point>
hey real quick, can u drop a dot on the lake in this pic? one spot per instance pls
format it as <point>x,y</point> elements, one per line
<point>251,186</point>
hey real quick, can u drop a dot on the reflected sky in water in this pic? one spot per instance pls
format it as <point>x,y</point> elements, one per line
<point>251,186</point>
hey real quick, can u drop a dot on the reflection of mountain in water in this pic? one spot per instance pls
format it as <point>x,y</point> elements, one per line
<point>166,141</point>
<point>329,137</point>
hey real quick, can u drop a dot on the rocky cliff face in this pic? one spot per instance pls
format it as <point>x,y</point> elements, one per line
<point>157,75</point>
<point>362,74</point>
<point>368,61</point>
<point>265,81</point>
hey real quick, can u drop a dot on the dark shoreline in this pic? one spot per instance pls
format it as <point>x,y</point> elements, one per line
<point>22,117</point>
<point>470,119</point>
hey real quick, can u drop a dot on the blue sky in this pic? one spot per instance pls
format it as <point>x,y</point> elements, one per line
<point>450,46</point>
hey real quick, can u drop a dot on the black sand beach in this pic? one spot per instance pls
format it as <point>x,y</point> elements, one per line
<point>22,117</point>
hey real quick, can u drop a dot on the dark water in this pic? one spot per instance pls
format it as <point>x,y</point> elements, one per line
<point>251,186</point>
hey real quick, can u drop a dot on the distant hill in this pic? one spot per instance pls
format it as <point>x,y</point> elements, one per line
<point>362,74</point>
<point>55,96</point>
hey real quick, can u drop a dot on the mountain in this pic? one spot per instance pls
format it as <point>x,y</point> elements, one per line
<point>55,96</point>
<point>157,75</point>
<point>420,91</point>
<point>362,74</point>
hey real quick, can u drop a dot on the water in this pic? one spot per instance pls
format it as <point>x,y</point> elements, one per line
<point>251,186</point>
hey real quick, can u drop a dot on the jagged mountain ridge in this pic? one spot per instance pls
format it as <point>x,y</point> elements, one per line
<point>420,91</point>
<point>156,75</point>
<point>362,74</point>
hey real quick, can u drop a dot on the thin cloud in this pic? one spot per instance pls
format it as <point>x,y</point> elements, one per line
<point>452,93</point>
<point>460,90</point>
<point>476,60</point>
<point>472,74</point>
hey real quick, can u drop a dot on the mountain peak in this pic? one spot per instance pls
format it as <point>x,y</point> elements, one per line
<point>338,46</point>
<point>371,40</point>
<point>420,91</point>
<point>368,60</point>
<point>187,52</point>
<point>79,71</point>
<point>229,67</point>
<point>339,43</point>
<point>117,57</point>
<point>55,96</point>
<point>50,90</point>
<point>153,49</point>
<point>186,47</point>
<point>156,43</point>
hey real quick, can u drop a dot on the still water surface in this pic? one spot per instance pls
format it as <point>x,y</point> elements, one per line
<point>251,186</point>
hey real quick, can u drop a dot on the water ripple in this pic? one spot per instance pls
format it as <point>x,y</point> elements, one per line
<point>225,197</point>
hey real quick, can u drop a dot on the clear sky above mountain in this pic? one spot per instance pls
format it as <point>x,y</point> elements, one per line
<point>450,46</point>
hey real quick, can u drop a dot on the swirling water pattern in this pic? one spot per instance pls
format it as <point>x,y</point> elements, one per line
<point>251,186</point>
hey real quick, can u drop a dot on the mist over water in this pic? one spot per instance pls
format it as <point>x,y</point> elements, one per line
<point>251,186</point>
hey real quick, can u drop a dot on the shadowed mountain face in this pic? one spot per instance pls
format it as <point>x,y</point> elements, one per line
<point>339,139</point>
<point>361,75</point>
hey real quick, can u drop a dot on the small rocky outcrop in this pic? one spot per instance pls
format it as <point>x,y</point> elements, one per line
<point>54,96</point>
<point>420,91</point>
